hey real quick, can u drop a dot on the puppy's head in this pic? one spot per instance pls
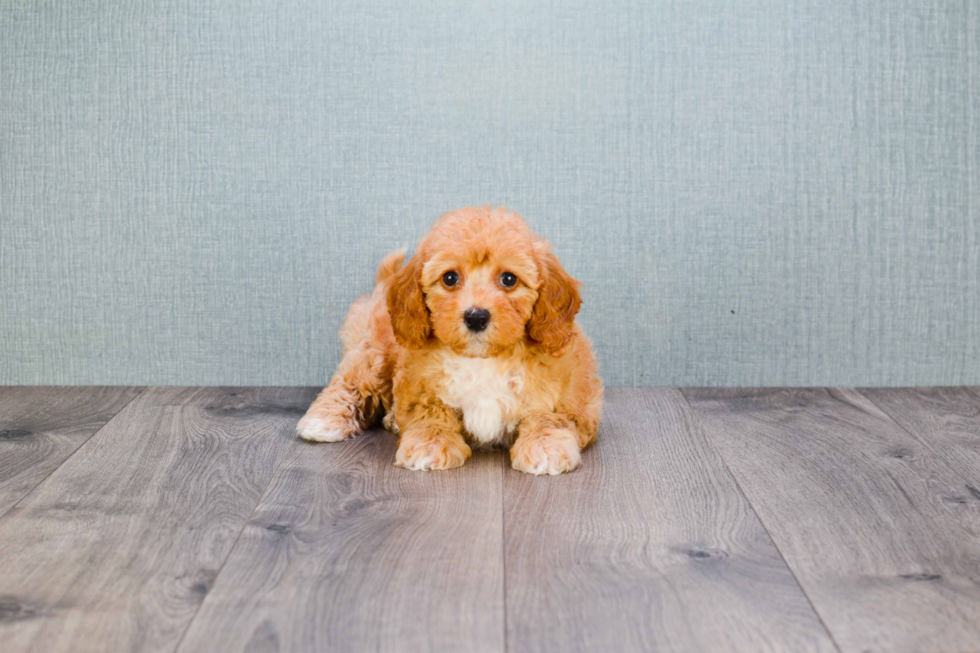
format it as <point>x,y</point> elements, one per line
<point>480,282</point>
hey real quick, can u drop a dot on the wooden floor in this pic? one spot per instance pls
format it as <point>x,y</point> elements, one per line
<point>191,519</point>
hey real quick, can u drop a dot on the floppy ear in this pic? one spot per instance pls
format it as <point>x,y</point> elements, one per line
<point>558,301</point>
<point>406,306</point>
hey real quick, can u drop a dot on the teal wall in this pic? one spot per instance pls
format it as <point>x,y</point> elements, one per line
<point>754,193</point>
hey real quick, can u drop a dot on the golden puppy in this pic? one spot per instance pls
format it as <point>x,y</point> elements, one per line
<point>471,343</point>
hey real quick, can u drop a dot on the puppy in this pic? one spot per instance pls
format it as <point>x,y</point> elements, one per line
<point>473,343</point>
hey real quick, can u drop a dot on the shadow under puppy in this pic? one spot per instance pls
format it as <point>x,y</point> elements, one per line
<point>473,343</point>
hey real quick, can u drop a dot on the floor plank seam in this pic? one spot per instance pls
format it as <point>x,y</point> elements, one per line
<point>503,541</point>
<point>272,477</point>
<point>72,454</point>
<point>741,491</point>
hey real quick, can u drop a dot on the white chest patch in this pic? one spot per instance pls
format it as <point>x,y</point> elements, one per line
<point>487,392</point>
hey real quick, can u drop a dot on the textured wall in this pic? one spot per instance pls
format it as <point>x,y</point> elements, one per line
<point>754,192</point>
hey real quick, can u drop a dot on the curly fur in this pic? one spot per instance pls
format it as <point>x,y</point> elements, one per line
<point>527,381</point>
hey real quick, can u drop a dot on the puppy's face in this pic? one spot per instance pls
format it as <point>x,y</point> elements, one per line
<point>481,282</point>
<point>480,295</point>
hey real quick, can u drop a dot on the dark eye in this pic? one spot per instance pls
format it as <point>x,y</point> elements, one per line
<point>450,278</point>
<point>507,280</point>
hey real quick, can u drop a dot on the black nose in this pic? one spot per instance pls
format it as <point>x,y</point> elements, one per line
<point>476,319</point>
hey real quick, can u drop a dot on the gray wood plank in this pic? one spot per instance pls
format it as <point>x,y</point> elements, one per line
<point>40,426</point>
<point>347,552</point>
<point>947,421</point>
<point>648,546</point>
<point>859,510</point>
<point>117,549</point>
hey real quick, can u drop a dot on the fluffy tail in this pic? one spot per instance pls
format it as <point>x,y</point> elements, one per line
<point>390,265</point>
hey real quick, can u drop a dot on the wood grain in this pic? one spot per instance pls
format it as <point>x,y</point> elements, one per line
<point>41,426</point>
<point>947,422</point>
<point>348,553</point>
<point>117,549</point>
<point>649,546</point>
<point>861,512</point>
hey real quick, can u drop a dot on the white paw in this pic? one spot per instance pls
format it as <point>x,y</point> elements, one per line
<point>425,454</point>
<point>553,453</point>
<point>316,429</point>
<point>418,461</point>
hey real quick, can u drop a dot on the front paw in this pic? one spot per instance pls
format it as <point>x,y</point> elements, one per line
<point>330,428</point>
<point>553,452</point>
<point>425,451</point>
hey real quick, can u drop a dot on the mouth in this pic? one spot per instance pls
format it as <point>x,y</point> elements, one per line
<point>477,337</point>
<point>475,344</point>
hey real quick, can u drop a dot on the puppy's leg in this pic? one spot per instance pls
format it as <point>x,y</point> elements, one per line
<point>352,401</point>
<point>550,442</point>
<point>547,443</point>
<point>431,438</point>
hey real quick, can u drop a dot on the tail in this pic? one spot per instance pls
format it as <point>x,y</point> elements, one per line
<point>390,265</point>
